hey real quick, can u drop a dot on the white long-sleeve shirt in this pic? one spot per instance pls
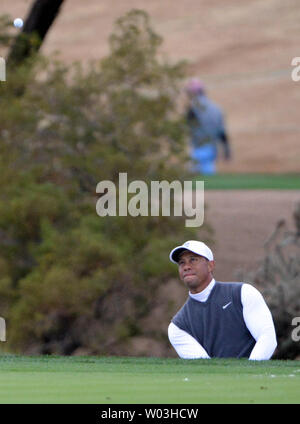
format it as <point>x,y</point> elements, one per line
<point>257,317</point>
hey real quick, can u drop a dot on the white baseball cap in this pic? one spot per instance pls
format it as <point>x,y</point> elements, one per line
<point>193,246</point>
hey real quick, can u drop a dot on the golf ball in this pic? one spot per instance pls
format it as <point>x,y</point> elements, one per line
<point>18,23</point>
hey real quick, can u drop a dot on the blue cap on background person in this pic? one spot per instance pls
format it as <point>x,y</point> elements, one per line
<point>194,246</point>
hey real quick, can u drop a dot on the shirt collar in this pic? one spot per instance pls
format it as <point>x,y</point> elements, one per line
<point>203,295</point>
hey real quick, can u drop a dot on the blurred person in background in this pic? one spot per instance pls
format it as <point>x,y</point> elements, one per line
<point>207,128</point>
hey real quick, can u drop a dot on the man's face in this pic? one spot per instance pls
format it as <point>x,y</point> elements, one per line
<point>195,271</point>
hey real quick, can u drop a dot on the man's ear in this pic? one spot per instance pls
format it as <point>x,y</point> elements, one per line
<point>211,266</point>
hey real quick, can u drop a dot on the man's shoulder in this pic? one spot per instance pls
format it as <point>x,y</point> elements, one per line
<point>230,284</point>
<point>185,305</point>
<point>246,287</point>
<point>229,289</point>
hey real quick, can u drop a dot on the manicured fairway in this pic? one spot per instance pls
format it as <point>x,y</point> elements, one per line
<point>251,182</point>
<point>114,380</point>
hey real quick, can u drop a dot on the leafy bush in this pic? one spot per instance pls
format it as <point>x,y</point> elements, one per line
<point>69,278</point>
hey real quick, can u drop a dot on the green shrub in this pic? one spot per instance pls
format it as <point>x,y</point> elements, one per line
<point>69,278</point>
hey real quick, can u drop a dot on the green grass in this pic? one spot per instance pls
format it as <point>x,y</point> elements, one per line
<point>251,182</point>
<point>128,380</point>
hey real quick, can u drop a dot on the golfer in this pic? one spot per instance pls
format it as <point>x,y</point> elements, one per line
<point>218,319</point>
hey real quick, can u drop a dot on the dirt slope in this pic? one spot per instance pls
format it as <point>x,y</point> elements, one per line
<point>242,222</point>
<point>242,50</point>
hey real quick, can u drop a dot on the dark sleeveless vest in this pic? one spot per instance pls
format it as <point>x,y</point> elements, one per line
<point>218,324</point>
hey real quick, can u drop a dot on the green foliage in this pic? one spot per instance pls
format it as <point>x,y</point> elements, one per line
<point>69,278</point>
